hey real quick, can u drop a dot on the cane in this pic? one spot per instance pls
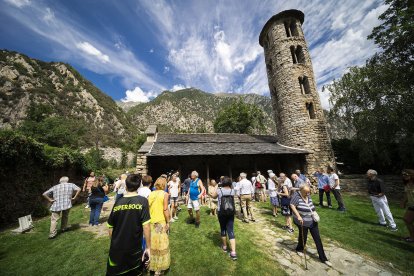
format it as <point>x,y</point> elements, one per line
<point>304,249</point>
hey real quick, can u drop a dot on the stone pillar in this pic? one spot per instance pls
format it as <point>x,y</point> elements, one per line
<point>142,166</point>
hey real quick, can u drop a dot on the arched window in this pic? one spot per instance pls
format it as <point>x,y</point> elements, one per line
<point>300,56</point>
<point>287,29</point>
<point>306,85</point>
<point>294,29</point>
<point>291,28</point>
<point>311,111</point>
<point>293,53</point>
<point>302,90</point>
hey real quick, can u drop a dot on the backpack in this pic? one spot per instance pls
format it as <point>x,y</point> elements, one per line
<point>227,207</point>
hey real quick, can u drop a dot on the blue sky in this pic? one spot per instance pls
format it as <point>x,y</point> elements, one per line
<point>133,50</point>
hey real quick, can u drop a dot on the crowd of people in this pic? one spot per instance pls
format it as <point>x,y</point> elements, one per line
<point>143,210</point>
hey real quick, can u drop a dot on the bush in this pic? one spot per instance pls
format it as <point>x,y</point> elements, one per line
<point>27,169</point>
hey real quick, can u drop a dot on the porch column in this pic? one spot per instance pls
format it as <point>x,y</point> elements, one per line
<point>208,173</point>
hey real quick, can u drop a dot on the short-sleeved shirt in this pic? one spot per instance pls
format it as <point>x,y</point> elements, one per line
<point>376,186</point>
<point>223,192</point>
<point>127,218</point>
<point>304,210</point>
<point>299,182</point>
<point>272,188</point>
<point>323,180</point>
<point>173,188</point>
<point>144,191</point>
<point>156,202</point>
<point>332,179</point>
<point>186,184</point>
<point>62,194</point>
<point>288,183</point>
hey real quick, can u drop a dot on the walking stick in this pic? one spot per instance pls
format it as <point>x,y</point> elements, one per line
<point>304,249</point>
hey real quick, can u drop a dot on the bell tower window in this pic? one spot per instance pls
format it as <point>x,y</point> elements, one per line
<point>311,111</point>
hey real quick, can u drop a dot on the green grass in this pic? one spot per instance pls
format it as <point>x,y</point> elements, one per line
<point>196,251</point>
<point>357,230</point>
<point>193,251</point>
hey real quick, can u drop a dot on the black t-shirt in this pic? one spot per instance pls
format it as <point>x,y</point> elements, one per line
<point>376,186</point>
<point>127,218</point>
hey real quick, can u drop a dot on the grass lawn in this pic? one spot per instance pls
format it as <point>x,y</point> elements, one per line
<point>194,251</point>
<point>357,230</point>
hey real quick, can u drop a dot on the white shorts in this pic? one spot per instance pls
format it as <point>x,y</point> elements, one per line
<point>193,204</point>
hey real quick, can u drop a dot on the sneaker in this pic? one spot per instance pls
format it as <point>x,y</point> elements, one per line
<point>233,256</point>
<point>330,206</point>
<point>175,218</point>
<point>300,254</point>
<point>87,206</point>
<point>285,227</point>
<point>197,225</point>
<point>394,229</point>
<point>328,263</point>
<point>172,220</point>
<point>224,248</point>
<point>178,209</point>
<point>291,230</point>
<point>245,221</point>
<point>253,220</point>
<point>383,225</point>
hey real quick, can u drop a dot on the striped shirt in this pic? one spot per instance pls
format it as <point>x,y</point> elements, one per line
<point>62,194</point>
<point>304,209</point>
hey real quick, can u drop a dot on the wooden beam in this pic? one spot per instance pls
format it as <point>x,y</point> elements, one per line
<point>208,173</point>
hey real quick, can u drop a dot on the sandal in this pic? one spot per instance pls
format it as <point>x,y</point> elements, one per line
<point>224,248</point>
<point>233,256</point>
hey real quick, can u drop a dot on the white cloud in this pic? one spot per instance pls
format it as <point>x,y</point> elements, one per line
<point>137,95</point>
<point>91,50</point>
<point>151,50</point>
<point>177,87</point>
<point>49,16</point>
<point>19,3</point>
<point>166,69</point>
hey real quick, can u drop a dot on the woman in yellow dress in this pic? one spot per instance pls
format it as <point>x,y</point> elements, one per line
<point>160,221</point>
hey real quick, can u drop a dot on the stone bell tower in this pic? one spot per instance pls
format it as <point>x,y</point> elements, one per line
<point>297,108</point>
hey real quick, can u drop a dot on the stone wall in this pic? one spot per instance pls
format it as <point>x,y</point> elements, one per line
<point>296,127</point>
<point>113,153</point>
<point>357,184</point>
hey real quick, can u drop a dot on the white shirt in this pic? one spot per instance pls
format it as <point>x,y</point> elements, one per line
<point>144,191</point>
<point>173,188</point>
<point>245,187</point>
<point>332,179</point>
<point>288,183</point>
<point>120,185</point>
<point>272,188</point>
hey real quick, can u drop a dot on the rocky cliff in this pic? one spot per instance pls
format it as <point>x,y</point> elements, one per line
<point>26,82</point>
<point>192,110</point>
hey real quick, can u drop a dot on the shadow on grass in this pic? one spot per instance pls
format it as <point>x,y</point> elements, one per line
<point>3,255</point>
<point>215,238</point>
<point>363,220</point>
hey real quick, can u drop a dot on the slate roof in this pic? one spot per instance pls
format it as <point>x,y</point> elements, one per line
<point>218,144</point>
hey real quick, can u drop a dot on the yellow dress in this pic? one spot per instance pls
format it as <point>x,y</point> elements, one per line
<point>160,244</point>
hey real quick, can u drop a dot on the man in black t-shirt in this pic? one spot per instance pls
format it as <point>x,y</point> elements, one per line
<point>129,220</point>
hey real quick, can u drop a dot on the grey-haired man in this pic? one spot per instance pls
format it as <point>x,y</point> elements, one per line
<point>61,203</point>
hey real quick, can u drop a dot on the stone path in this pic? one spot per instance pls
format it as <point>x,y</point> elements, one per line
<point>282,249</point>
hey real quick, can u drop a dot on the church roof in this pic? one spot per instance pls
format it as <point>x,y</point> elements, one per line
<point>218,144</point>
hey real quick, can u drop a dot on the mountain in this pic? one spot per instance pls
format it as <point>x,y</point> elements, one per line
<point>192,110</point>
<point>26,82</point>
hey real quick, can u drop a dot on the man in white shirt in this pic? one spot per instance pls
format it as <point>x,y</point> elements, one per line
<point>144,190</point>
<point>260,186</point>
<point>272,187</point>
<point>335,188</point>
<point>246,193</point>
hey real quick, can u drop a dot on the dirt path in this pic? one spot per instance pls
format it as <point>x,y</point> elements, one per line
<point>100,230</point>
<point>281,246</point>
